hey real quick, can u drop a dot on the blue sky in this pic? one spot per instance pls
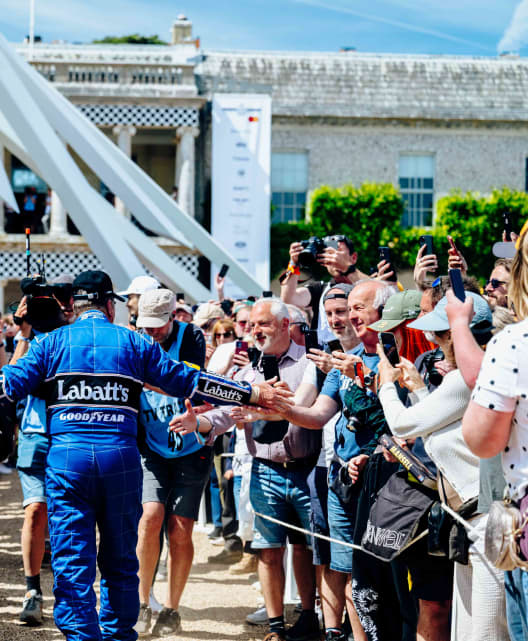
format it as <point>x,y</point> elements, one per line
<point>467,27</point>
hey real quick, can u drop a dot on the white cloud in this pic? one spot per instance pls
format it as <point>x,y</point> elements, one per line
<point>516,35</point>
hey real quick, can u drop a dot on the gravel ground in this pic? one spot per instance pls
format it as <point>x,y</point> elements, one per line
<point>214,604</point>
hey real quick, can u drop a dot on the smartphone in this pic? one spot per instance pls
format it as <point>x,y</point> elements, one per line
<point>427,240</point>
<point>223,270</point>
<point>388,342</point>
<point>180,297</point>
<point>310,340</point>
<point>253,355</point>
<point>384,254</point>
<point>455,277</point>
<point>267,293</point>
<point>506,217</point>
<point>358,371</point>
<point>241,346</point>
<point>270,366</point>
<point>335,346</point>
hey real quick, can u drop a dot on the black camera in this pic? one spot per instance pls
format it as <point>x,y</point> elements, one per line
<point>43,310</point>
<point>315,246</point>
<point>432,375</point>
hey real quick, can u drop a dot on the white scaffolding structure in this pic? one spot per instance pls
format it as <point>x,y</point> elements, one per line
<point>37,124</point>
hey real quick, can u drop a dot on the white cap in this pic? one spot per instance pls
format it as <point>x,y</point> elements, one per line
<point>140,285</point>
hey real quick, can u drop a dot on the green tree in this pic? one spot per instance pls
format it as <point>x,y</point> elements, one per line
<point>132,39</point>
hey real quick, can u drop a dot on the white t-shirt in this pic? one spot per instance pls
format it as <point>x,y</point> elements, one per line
<point>502,385</point>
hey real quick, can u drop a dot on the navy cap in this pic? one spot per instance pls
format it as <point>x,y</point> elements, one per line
<point>94,285</point>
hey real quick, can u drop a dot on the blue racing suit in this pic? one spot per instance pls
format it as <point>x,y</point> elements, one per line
<point>91,374</point>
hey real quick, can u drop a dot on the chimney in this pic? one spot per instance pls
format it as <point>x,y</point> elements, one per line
<point>181,31</point>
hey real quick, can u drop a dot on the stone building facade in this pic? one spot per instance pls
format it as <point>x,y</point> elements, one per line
<point>428,124</point>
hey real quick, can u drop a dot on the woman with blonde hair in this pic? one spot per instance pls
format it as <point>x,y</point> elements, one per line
<point>496,421</point>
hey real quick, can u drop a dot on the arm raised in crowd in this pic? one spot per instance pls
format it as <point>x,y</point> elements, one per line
<point>290,292</point>
<point>467,351</point>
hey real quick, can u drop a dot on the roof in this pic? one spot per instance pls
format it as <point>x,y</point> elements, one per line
<point>358,85</point>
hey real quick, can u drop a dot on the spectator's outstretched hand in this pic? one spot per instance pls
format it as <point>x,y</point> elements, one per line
<point>424,264</point>
<point>338,259</point>
<point>274,396</point>
<point>185,423</point>
<point>345,363</point>
<point>250,413</point>
<point>295,249</point>
<point>512,239</point>
<point>455,259</point>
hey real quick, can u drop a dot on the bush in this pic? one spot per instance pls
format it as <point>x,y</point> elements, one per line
<point>370,215</point>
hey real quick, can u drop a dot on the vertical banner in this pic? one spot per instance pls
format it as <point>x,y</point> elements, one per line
<point>241,158</point>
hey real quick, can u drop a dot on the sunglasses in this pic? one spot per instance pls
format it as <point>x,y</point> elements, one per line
<point>226,334</point>
<point>495,284</point>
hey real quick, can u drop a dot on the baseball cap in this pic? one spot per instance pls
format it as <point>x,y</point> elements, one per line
<point>184,307</point>
<point>140,285</point>
<point>155,308</point>
<point>345,288</point>
<point>436,321</point>
<point>207,312</point>
<point>399,308</point>
<point>93,285</point>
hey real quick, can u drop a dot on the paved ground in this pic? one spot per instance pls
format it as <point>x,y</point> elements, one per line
<point>214,604</point>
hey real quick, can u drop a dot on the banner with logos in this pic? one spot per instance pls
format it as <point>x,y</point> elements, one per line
<point>241,158</point>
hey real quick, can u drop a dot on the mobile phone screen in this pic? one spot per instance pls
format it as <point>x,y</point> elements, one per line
<point>455,276</point>
<point>388,342</point>
<point>335,346</point>
<point>427,240</point>
<point>241,346</point>
<point>310,340</point>
<point>270,366</point>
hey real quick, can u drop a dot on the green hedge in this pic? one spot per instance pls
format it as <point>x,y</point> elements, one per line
<point>370,215</point>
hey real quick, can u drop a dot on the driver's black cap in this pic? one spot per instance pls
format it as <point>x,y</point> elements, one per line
<point>94,285</point>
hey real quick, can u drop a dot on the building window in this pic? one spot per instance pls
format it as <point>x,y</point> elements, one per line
<point>289,184</point>
<point>416,180</point>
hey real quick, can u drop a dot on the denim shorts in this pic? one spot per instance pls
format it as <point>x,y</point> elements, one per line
<point>179,482</point>
<point>284,495</point>
<point>31,466</point>
<point>318,484</point>
<point>342,521</point>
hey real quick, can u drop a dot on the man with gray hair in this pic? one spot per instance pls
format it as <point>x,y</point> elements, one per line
<point>284,454</point>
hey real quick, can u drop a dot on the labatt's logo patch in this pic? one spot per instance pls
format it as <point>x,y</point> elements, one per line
<point>84,391</point>
<point>219,391</point>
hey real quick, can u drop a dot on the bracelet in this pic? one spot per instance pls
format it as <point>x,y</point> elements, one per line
<point>200,438</point>
<point>293,268</point>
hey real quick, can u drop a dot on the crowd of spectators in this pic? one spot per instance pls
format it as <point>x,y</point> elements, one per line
<point>389,539</point>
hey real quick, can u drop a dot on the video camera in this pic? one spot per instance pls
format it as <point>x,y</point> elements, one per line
<point>43,309</point>
<point>315,246</point>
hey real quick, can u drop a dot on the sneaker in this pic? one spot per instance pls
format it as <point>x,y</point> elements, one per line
<point>142,626</point>
<point>305,628</point>
<point>274,636</point>
<point>215,533</point>
<point>226,556</point>
<point>168,622</point>
<point>259,617</point>
<point>154,604</point>
<point>32,608</point>
<point>247,565</point>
